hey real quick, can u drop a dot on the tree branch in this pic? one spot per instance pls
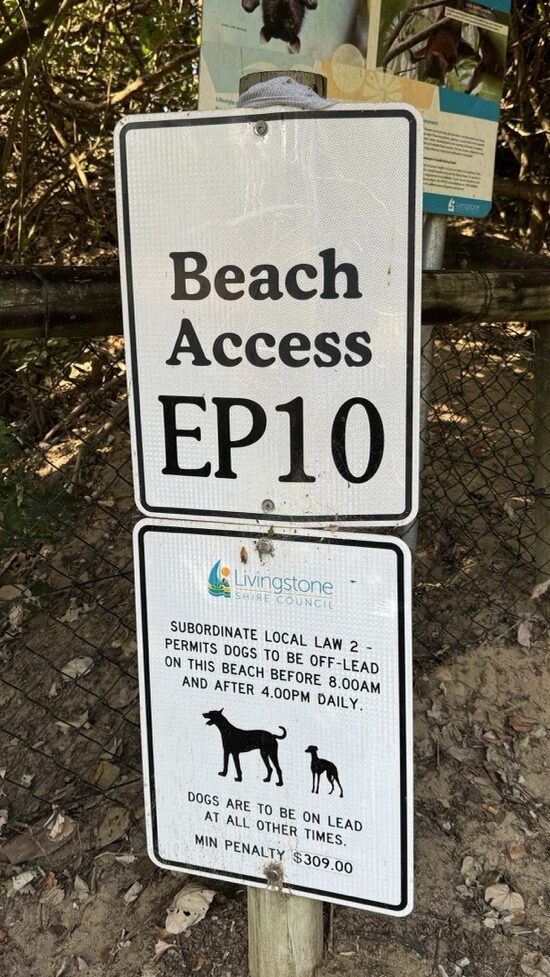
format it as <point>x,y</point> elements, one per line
<point>522,191</point>
<point>145,81</point>
<point>23,37</point>
<point>415,9</point>
<point>415,39</point>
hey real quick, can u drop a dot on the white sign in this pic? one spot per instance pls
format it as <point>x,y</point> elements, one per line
<point>271,282</point>
<point>276,709</point>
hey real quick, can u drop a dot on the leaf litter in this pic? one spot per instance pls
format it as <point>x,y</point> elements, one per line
<point>535,965</point>
<point>133,893</point>
<point>39,840</point>
<point>188,907</point>
<point>464,783</point>
<point>77,668</point>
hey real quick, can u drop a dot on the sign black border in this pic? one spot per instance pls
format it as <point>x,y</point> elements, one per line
<point>403,739</point>
<point>227,119</point>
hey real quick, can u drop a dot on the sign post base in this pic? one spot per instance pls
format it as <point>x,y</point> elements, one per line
<point>285,934</point>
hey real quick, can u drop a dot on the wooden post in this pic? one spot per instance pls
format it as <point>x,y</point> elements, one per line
<point>285,934</point>
<point>542,451</point>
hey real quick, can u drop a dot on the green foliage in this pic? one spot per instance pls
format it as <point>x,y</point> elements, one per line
<point>77,69</point>
<point>9,447</point>
<point>33,512</point>
<point>32,509</point>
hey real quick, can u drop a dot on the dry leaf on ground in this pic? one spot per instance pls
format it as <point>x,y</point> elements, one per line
<point>540,589</point>
<point>516,851</point>
<point>60,827</point>
<point>470,870</point>
<point>519,724</point>
<point>11,592</point>
<point>188,907</point>
<point>501,898</point>
<point>161,947</point>
<point>114,825</point>
<point>81,888</point>
<point>535,965</point>
<point>105,775</point>
<point>52,897</point>
<point>133,893</point>
<point>20,882</point>
<point>75,722</point>
<point>200,962</point>
<point>77,668</point>
<point>524,634</point>
<point>74,611</point>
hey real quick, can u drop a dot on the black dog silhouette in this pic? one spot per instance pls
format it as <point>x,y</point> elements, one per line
<point>236,741</point>
<point>282,19</point>
<point>319,767</point>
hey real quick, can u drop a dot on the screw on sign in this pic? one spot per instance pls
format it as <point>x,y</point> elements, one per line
<point>272,315</point>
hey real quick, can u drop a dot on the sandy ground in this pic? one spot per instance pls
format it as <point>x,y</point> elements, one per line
<point>482,819</point>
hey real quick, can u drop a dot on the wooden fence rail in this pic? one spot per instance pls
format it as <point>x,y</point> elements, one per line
<point>85,302</point>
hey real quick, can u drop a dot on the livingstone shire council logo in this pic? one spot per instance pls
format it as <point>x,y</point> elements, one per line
<point>265,588</point>
<point>218,583</point>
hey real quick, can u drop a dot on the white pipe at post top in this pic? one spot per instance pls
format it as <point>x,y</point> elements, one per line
<point>285,932</point>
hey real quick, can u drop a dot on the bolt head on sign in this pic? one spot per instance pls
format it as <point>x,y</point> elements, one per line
<point>276,708</point>
<point>271,290</point>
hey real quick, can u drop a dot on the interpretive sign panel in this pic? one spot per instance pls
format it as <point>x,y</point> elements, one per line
<point>271,269</point>
<point>276,709</point>
<point>447,59</point>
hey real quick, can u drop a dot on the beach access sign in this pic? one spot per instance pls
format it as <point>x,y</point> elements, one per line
<point>271,292</point>
<point>276,711</point>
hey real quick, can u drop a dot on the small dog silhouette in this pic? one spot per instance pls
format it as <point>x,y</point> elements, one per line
<point>236,741</point>
<point>319,767</point>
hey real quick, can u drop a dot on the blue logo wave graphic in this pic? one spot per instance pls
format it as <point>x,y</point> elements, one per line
<point>218,586</point>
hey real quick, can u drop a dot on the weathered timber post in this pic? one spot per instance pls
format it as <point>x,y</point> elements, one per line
<point>285,932</point>
<point>542,450</point>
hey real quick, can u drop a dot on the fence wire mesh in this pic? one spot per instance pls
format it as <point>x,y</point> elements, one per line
<point>69,734</point>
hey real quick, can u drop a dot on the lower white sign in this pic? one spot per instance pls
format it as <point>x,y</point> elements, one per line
<point>276,709</point>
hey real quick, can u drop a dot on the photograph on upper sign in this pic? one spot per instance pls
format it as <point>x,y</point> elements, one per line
<point>266,35</point>
<point>282,19</point>
<point>458,45</point>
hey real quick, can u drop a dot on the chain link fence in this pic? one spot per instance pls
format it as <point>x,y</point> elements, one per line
<point>69,713</point>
